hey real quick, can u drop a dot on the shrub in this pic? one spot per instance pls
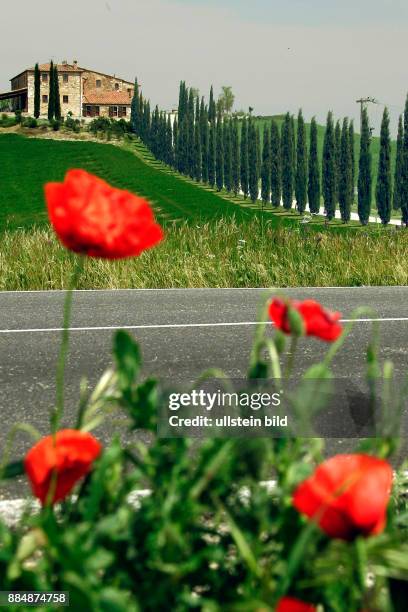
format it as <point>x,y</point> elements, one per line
<point>72,124</point>
<point>55,124</point>
<point>7,121</point>
<point>18,115</point>
<point>30,122</point>
<point>99,124</point>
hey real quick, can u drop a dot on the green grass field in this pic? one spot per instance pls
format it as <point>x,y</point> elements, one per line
<point>221,253</point>
<point>28,163</point>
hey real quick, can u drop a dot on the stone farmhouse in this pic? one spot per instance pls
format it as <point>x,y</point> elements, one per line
<point>84,93</point>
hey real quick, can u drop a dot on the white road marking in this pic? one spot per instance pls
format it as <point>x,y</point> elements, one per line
<point>178,326</point>
<point>361,287</point>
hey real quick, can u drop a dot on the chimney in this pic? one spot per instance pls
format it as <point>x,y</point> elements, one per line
<point>75,62</point>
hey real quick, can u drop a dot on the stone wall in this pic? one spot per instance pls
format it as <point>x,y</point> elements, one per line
<point>105,82</point>
<point>30,93</point>
<point>72,89</point>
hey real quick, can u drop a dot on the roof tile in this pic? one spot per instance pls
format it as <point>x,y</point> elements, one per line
<point>107,97</point>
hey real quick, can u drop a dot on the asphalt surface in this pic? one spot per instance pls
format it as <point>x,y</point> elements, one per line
<point>182,332</point>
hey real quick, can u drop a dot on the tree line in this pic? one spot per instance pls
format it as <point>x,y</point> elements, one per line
<point>278,165</point>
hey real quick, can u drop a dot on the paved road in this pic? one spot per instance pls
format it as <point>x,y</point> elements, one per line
<point>182,332</point>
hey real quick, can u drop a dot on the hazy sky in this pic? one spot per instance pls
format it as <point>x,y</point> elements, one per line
<point>277,55</point>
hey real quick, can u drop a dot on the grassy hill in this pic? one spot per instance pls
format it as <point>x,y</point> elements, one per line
<point>28,163</point>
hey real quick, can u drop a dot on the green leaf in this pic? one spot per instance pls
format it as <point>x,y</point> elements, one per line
<point>12,470</point>
<point>114,600</point>
<point>128,358</point>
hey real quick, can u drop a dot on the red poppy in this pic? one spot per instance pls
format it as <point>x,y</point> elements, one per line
<point>347,495</point>
<point>95,219</point>
<point>317,321</point>
<point>290,604</point>
<point>69,455</point>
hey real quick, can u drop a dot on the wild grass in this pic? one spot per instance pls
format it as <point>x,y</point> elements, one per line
<point>222,253</point>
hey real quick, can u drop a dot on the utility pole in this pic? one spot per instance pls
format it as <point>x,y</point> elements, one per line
<point>363,104</point>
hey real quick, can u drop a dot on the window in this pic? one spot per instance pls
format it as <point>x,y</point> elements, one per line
<point>45,99</point>
<point>124,111</point>
<point>97,111</point>
<point>116,86</point>
<point>45,77</point>
<point>65,78</point>
<point>99,83</point>
<point>113,111</point>
<point>65,99</point>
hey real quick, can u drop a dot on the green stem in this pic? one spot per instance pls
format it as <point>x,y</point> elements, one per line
<point>291,356</point>
<point>62,358</point>
<point>361,565</point>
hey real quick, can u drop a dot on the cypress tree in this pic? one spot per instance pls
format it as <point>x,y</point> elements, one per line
<point>164,139</point>
<point>276,174</point>
<point>154,133</point>
<point>337,139</point>
<point>384,188</point>
<point>235,157</point>
<point>134,111</point>
<point>37,91</point>
<point>258,150</point>
<point>169,143</point>
<point>329,170</point>
<point>287,162</point>
<point>190,135</point>
<point>244,174</point>
<point>57,99</point>
<point>212,154</point>
<point>204,141</point>
<point>301,165</point>
<point>148,123</point>
<point>293,133</point>
<point>266,166</point>
<point>227,155</point>
<point>197,152</point>
<point>182,106</point>
<point>398,177</point>
<point>174,144</point>
<point>364,175</point>
<point>219,170</point>
<point>253,162</point>
<point>184,146</point>
<point>314,173</point>
<point>212,113</point>
<point>404,189</point>
<point>352,161</point>
<point>51,98</point>
<point>140,115</point>
<point>345,174</point>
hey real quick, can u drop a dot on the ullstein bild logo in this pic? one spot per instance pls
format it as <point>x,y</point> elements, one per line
<point>228,421</point>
